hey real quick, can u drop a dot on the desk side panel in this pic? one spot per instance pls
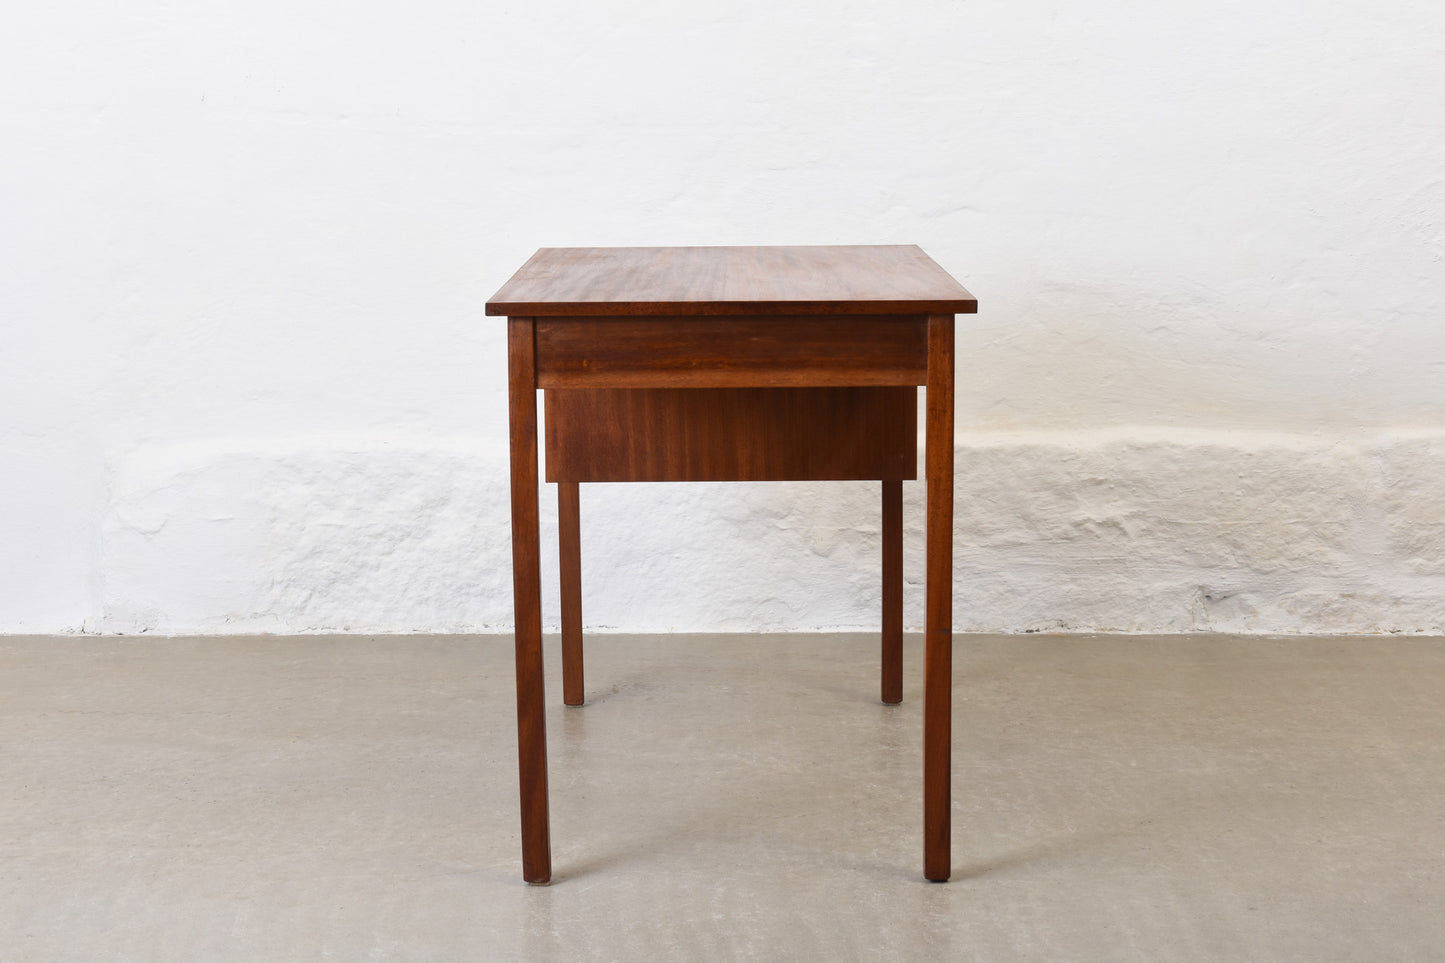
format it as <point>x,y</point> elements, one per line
<point>731,434</point>
<point>731,352</point>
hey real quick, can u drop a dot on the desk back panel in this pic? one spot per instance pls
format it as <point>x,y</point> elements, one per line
<point>731,434</point>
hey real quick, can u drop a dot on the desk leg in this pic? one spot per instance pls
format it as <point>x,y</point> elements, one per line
<point>938,624</point>
<point>892,591</point>
<point>569,537</point>
<point>527,597</point>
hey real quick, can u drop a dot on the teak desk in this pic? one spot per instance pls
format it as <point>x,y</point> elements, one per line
<point>742,364</point>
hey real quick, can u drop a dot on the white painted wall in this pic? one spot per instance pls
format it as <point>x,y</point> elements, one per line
<point>246,383</point>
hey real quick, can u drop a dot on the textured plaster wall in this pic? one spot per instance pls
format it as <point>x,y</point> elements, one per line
<point>245,381</point>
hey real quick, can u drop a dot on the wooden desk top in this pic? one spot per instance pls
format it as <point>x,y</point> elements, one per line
<point>732,281</point>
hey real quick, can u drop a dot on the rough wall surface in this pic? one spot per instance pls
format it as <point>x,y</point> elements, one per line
<point>1113,531</point>
<point>245,381</point>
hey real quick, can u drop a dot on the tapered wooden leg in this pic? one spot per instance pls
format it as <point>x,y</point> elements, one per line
<point>892,591</point>
<point>938,619</point>
<point>569,534</point>
<point>527,598</point>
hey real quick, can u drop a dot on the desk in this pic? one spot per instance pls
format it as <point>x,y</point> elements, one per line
<point>731,363</point>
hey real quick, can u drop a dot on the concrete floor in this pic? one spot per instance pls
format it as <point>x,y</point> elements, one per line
<point>722,798</point>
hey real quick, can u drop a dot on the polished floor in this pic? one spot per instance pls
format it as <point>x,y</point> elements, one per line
<point>722,798</point>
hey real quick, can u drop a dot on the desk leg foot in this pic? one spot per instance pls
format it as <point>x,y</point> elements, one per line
<point>938,620</point>
<point>892,592</point>
<point>569,534</point>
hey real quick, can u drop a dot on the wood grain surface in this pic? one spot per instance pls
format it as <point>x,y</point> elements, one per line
<point>938,605</point>
<point>527,598</point>
<point>720,352</point>
<point>891,676</point>
<point>731,434</point>
<point>694,281</point>
<point>569,559</point>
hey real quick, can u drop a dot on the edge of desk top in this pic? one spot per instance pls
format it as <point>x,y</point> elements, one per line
<point>733,281</point>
